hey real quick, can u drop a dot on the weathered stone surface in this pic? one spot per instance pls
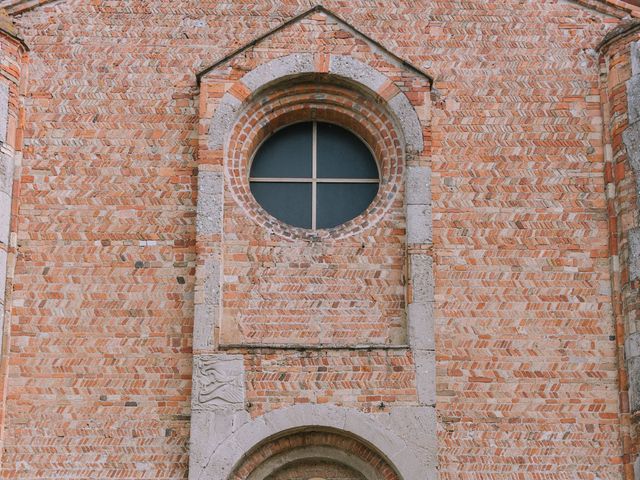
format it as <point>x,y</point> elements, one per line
<point>632,357</point>
<point>218,382</point>
<point>208,430</point>
<point>633,236</point>
<point>5,217</point>
<point>279,68</point>
<point>412,453</point>
<point>223,119</point>
<point>4,111</point>
<point>419,426</point>
<point>6,168</point>
<point>353,69</point>
<point>209,211</point>
<point>631,139</point>
<point>3,274</point>
<point>633,98</point>
<point>633,371</point>
<point>635,58</point>
<point>207,312</point>
<point>418,186</point>
<point>421,326</point>
<point>426,376</point>
<point>408,118</point>
<point>422,279</point>
<point>419,226</point>
<point>632,346</point>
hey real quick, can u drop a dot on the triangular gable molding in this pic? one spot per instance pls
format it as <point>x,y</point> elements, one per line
<point>373,44</point>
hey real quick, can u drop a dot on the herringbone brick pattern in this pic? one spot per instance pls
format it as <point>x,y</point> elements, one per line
<point>99,374</point>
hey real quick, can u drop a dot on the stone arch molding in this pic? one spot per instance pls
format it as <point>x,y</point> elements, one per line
<point>343,66</point>
<point>392,435</point>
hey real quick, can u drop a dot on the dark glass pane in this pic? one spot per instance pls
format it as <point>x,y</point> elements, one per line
<point>340,202</point>
<point>289,202</point>
<point>343,155</point>
<point>286,154</point>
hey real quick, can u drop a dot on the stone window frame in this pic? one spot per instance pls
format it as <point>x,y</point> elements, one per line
<point>406,436</point>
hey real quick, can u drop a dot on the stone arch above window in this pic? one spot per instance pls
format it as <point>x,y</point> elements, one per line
<point>298,64</point>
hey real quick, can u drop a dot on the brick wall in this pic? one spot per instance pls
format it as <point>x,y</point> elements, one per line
<point>100,356</point>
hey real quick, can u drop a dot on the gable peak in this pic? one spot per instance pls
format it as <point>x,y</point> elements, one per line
<point>328,13</point>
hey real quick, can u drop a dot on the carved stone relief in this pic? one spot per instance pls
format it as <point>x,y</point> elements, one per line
<point>218,382</point>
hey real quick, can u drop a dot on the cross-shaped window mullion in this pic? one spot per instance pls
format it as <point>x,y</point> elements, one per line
<point>314,175</point>
<point>313,180</point>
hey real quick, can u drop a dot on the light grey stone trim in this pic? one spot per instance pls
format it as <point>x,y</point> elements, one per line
<point>421,326</point>
<point>406,437</point>
<point>222,120</point>
<point>208,430</point>
<point>632,345</point>
<point>419,224</point>
<point>635,58</point>
<point>353,69</point>
<point>361,73</point>
<point>633,237</point>
<point>3,278</point>
<point>426,376</point>
<point>418,200</point>
<point>207,310</point>
<point>631,139</point>
<point>319,452</point>
<point>408,119</point>
<point>4,111</point>
<point>422,278</point>
<point>5,217</point>
<point>420,312</point>
<point>418,186</point>
<point>218,382</point>
<point>632,357</point>
<point>633,98</point>
<point>633,371</point>
<point>294,64</point>
<point>7,162</point>
<point>209,208</point>
<point>300,63</point>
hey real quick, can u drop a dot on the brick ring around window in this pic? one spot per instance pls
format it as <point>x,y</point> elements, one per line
<point>320,98</point>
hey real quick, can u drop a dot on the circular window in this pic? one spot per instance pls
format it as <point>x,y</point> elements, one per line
<point>314,175</point>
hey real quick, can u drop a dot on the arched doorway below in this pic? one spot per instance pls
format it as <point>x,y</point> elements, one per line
<point>313,454</point>
<point>316,470</point>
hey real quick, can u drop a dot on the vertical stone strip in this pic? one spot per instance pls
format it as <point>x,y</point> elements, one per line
<point>631,139</point>
<point>217,406</point>
<point>420,301</point>
<point>209,230</point>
